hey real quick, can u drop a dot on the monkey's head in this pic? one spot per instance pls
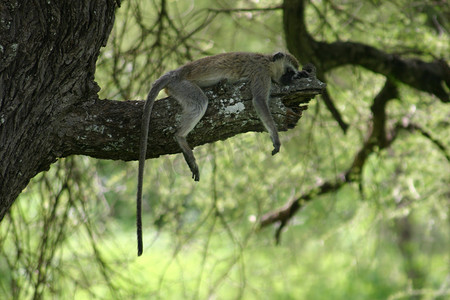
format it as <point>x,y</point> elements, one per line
<point>286,68</point>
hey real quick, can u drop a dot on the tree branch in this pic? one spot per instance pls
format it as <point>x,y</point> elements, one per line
<point>329,103</point>
<point>285,213</point>
<point>406,124</point>
<point>377,137</point>
<point>431,77</point>
<point>110,129</point>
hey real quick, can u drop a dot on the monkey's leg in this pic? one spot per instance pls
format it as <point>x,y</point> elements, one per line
<point>260,92</point>
<point>194,103</point>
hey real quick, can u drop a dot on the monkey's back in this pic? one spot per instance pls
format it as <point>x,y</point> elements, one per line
<point>231,66</point>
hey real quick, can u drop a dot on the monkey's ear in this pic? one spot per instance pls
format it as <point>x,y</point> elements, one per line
<point>277,56</point>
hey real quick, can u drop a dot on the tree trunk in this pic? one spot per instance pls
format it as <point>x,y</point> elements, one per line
<point>48,52</point>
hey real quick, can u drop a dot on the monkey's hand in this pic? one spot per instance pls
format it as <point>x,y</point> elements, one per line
<point>309,69</point>
<point>195,173</point>
<point>301,74</point>
<point>190,160</point>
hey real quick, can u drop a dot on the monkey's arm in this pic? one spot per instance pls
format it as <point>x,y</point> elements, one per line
<point>261,95</point>
<point>111,129</point>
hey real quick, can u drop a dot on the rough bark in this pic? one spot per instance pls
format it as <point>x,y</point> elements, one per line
<point>110,129</point>
<point>48,52</point>
<point>49,105</point>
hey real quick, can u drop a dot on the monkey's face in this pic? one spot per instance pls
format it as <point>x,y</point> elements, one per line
<point>290,74</point>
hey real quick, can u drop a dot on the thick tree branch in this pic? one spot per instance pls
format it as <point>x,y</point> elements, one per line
<point>110,129</point>
<point>431,77</point>
<point>301,44</point>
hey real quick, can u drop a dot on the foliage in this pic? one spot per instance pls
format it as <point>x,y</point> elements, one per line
<point>386,237</point>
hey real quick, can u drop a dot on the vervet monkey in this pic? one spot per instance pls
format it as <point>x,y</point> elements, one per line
<point>185,83</point>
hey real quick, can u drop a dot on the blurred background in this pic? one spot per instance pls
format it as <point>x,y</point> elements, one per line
<point>383,232</point>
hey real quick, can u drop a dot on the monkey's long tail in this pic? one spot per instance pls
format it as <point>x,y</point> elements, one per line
<point>158,85</point>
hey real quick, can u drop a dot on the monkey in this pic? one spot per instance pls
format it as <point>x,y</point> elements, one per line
<point>185,83</point>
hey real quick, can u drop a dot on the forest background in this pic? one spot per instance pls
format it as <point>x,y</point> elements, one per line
<point>355,206</point>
